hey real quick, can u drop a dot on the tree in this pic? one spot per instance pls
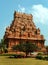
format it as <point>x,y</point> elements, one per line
<point>25,47</point>
<point>3,47</point>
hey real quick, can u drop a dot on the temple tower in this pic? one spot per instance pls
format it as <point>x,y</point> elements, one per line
<point>23,29</point>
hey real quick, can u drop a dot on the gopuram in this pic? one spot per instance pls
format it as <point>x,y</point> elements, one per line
<point>23,29</point>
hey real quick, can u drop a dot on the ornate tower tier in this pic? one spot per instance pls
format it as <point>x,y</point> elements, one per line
<point>23,29</point>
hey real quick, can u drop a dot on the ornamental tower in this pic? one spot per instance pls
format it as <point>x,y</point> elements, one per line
<point>23,29</point>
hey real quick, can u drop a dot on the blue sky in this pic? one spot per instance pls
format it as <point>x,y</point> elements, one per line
<point>38,8</point>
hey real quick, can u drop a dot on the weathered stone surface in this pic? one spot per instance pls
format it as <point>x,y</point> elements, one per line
<point>23,28</point>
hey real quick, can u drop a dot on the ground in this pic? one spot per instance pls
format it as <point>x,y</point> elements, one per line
<point>4,60</point>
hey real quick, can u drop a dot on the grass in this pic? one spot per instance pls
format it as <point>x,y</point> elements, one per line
<point>4,60</point>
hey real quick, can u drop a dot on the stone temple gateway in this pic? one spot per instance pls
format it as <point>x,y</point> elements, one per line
<point>23,29</point>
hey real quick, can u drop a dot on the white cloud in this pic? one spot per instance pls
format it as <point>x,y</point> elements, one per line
<point>40,14</point>
<point>21,9</point>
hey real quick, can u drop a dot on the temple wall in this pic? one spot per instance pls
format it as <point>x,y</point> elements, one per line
<point>13,42</point>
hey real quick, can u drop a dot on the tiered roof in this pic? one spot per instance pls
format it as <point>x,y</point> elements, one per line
<point>23,27</point>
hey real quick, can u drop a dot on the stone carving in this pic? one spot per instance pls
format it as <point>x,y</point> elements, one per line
<point>23,28</point>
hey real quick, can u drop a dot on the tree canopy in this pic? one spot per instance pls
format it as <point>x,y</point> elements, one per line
<point>3,47</point>
<point>25,47</point>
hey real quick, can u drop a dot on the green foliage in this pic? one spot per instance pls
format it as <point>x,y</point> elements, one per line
<point>42,57</point>
<point>17,56</point>
<point>6,54</point>
<point>3,47</point>
<point>13,55</point>
<point>25,47</point>
<point>40,53</point>
<point>39,57</point>
<point>45,58</point>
